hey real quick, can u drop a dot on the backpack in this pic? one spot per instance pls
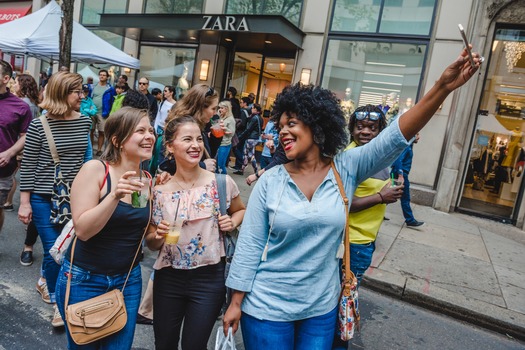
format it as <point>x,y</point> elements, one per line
<point>230,238</point>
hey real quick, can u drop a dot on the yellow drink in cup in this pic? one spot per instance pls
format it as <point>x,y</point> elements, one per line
<point>174,233</point>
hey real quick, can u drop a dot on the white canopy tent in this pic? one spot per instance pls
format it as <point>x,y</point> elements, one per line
<point>37,35</point>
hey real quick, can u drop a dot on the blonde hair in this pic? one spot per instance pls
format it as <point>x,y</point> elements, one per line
<point>118,128</point>
<point>58,89</point>
<point>198,98</point>
<point>228,105</point>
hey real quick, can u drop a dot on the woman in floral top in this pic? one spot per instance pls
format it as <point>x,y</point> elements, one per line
<point>189,276</point>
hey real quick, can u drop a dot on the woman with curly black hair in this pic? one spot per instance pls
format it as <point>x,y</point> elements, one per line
<point>285,272</point>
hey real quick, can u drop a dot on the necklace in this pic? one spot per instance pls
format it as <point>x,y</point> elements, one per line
<point>193,184</point>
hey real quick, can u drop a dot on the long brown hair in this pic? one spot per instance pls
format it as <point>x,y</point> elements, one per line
<point>199,97</point>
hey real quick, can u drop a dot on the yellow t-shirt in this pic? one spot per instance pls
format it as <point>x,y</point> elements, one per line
<point>365,224</point>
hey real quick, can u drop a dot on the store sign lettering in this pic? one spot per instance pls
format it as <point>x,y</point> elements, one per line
<point>9,16</point>
<point>225,23</point>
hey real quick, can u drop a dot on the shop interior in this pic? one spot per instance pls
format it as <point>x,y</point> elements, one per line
<point>493,180</point>
<point>262,75</point>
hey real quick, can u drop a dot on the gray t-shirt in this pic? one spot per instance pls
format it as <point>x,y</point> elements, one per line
<point>98,91</point>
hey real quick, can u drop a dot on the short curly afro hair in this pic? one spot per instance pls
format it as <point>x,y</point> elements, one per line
<point>319,109</point>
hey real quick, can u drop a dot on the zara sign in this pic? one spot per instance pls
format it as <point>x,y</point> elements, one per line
<point>230,23</point>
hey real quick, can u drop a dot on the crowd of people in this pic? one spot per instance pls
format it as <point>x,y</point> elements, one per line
<point>285,274</point>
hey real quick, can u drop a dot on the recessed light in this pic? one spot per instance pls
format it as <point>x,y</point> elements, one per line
<point>268,41</point>
<point>193,38</point>
<point>161,36</point>
<point>228,39</point>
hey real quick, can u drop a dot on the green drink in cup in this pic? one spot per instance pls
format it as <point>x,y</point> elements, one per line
<point>139,199</point>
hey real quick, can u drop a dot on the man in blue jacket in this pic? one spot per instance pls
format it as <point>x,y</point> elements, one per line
<point>103,97</point>
<point>400,170</point>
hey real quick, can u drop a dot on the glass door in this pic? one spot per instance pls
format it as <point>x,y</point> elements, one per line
<point>261,75</point>
<point>493,179</point>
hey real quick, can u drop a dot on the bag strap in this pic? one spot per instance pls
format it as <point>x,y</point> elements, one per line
<point>68,287</point>
<point>221,189</point>
<point>50,140</point>
<point>348,276</point>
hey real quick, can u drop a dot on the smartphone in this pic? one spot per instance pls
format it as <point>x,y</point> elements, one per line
<point>465,41</point>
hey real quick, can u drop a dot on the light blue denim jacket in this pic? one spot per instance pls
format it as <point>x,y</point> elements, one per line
<point>300,278</point>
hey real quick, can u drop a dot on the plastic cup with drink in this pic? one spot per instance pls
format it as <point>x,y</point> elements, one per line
<point>216,130</point>
<point>139,199</point>
<point>173,235</point>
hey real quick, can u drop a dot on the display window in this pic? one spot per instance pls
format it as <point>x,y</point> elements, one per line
<point>377,73</point>
<point>493,178</point>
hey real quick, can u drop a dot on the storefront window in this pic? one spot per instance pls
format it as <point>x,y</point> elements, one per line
<point>387,16</point>
<point>290,9</point>
<point>378,73</point>
<point>493,179</point>
<point>174,6</point>
<point>167,66</point>
<point>91,9</point>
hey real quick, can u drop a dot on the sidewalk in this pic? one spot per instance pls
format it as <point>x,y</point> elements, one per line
<point>469,268</point>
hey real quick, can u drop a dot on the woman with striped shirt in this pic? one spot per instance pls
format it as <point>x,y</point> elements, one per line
<point>37,173</point>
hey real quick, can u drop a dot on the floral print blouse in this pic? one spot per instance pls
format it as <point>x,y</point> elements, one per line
<point>200,243</point>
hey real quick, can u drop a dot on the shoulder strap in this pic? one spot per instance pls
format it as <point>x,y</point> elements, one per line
<point>346,257</point>
<point>50,140</point>
<point>221,189</point>
<point>106,173</point>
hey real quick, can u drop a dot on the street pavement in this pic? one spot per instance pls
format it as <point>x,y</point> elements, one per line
<point>470,268</point>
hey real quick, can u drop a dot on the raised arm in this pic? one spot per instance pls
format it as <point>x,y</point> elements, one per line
<point>454,76</point>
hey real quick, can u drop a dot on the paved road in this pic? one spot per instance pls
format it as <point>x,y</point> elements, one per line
<point>387,323</point>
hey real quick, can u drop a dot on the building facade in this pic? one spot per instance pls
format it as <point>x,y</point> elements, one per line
<point>384,52</point>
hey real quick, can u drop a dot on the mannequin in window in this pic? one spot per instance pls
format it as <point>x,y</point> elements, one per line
<point>182,84</point>
<point>384,106</point>
<point>408,104</point>
<point>348,104</point>
<point>393,112</point>
<point>513,150</point>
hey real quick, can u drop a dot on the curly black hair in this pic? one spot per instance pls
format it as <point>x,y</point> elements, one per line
<point>367,108</point>
<point>319,109</point>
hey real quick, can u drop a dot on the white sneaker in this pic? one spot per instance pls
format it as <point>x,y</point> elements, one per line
<point>57,319</point>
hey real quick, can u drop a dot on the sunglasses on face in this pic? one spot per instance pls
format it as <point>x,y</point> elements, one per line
<point>141,83</point>
<point>210,92</point>
<point>373,116</point>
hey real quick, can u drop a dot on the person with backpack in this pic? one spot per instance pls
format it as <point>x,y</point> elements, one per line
<point>189,271</point>
<point>251,136</point>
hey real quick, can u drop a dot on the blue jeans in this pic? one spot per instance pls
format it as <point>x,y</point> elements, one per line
<point>239,155</point>
<point>85,285</point>
<point>361,258</point>
<point>223,156</point>
<point>41,206</point>
<point>405,201</point>
<point>315,333</point>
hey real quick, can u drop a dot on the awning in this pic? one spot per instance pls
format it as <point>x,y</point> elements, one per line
<point>254,33</point>
<point>11,13</point>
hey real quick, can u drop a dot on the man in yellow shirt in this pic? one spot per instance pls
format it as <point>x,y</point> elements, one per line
<point>371,196</point>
